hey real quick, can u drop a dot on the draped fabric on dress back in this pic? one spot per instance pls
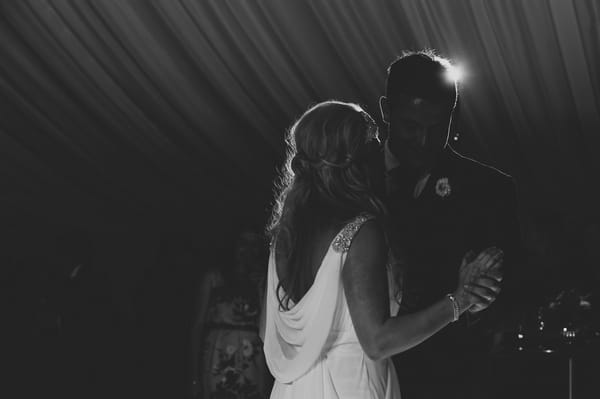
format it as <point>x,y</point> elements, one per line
<point>312,349</point>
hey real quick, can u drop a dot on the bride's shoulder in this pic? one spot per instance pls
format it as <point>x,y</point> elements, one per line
<point>367,250</point>
<point>362,227</point>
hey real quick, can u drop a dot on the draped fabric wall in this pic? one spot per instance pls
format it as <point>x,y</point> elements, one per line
<point>174,111</point>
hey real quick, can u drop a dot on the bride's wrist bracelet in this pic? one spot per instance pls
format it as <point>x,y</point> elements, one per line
<point>455,306</point>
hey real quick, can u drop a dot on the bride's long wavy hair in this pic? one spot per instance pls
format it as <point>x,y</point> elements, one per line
<point>327,179</point>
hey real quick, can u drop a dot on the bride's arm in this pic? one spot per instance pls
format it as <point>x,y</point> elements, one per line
<point>365,283</point>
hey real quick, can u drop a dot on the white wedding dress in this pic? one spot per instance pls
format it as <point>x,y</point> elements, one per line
<point>312,349</point>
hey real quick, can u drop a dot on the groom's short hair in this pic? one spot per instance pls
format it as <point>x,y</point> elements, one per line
<point>421,74</point>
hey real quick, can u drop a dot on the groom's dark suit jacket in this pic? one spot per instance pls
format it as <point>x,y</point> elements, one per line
<point>435,231</point>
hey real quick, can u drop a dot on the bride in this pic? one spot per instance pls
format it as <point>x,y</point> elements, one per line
<point>327,327</point>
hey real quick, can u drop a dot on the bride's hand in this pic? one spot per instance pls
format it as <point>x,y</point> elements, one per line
<point>479,279</point>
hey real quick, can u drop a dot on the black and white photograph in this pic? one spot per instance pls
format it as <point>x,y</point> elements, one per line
<point>290,199</point>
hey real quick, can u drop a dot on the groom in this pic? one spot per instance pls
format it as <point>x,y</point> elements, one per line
<point>443,205</point>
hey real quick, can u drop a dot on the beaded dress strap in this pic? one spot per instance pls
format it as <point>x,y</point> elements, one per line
<point>341,242</point>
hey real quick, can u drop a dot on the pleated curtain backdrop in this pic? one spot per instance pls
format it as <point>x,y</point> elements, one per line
<point>177,109</point>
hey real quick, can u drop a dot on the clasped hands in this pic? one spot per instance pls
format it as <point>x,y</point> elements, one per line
<point>479,279</point>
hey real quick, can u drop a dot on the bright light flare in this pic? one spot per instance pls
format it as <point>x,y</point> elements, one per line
<point>455,73</point>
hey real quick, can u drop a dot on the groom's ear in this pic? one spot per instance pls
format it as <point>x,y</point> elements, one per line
<point>384,107</point>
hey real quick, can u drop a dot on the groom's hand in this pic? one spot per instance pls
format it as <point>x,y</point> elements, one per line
<point>486,288</point>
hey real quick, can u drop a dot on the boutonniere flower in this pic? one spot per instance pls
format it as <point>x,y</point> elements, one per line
<point>442,187</point>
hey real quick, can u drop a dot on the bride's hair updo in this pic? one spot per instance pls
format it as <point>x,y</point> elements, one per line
<point>327,179</point>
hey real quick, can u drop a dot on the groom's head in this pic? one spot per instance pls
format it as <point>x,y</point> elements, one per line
<point>418,104</point>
